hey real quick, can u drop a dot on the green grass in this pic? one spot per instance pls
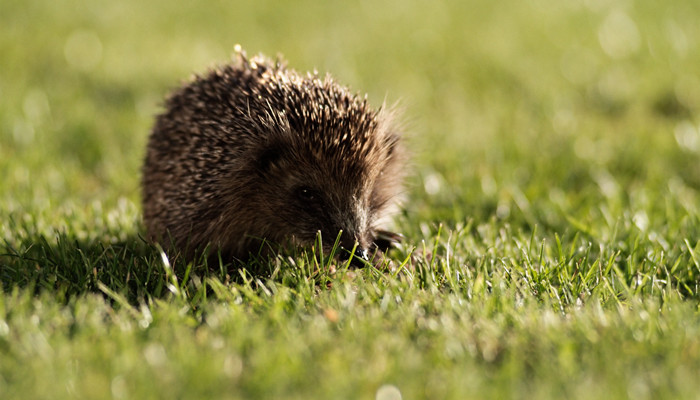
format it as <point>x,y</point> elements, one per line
<point>552,218</point>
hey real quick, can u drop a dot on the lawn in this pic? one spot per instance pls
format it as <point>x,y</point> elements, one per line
<point>551,220</point>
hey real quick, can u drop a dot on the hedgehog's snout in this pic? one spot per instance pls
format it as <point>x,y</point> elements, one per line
<point>359,257</point>
<point>353,245</point>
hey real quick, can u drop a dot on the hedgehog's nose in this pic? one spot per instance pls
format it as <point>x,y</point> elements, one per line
<point>359,258</point>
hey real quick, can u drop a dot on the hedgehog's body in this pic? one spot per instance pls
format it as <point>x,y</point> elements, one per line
<point>253,151</point>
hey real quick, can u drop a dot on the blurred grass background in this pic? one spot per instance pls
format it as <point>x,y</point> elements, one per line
<point>495,95</point>
<point>556,167</point>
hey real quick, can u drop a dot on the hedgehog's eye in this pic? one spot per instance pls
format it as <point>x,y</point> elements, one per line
<point>308,198</point>
<point>306,194</point>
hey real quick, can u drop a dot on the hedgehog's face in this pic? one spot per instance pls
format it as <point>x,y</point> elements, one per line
<point>333,193</point>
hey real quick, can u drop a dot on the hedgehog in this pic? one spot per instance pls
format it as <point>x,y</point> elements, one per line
<point>253,157</point>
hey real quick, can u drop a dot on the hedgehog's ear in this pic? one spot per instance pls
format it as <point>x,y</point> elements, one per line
<point>268,157</point>
<point>392,142</point>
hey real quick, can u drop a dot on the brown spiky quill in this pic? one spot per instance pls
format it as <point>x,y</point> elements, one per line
<point>254,152</point>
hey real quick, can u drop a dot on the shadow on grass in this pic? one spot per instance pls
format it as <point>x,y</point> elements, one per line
<point>132,267</point>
